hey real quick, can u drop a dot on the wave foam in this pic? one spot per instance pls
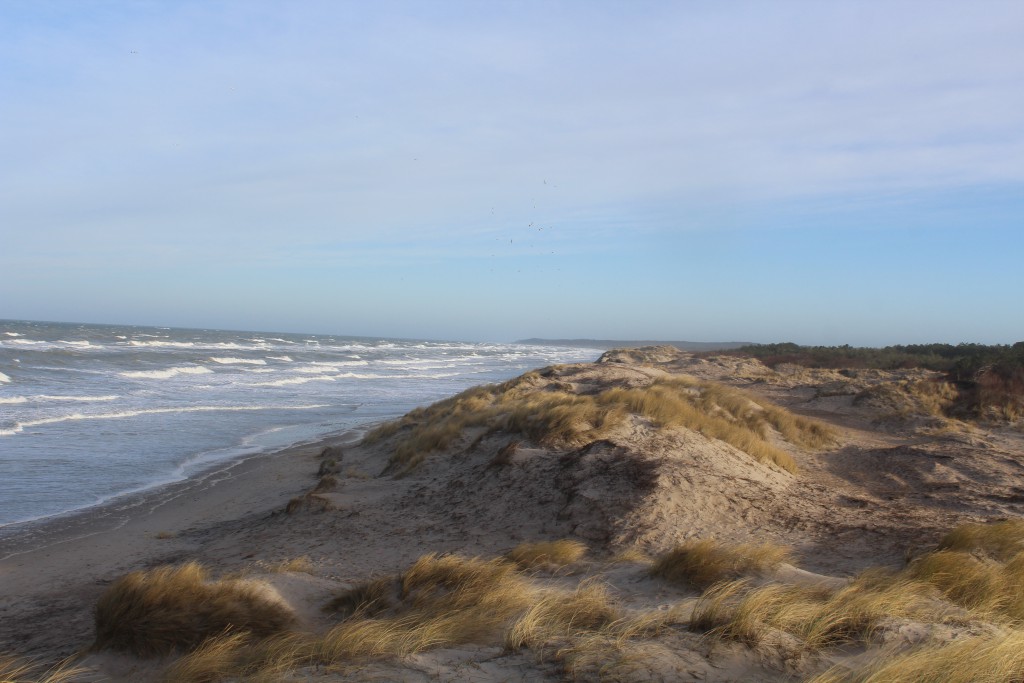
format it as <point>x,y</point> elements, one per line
<point>238,361</point>
<point>168,373</point>
<point>12,334</point>
<point>47,397</point>
<point>4,379</point>
<point>20,427</point>
<point>287,359</point>
<point>293,380</point>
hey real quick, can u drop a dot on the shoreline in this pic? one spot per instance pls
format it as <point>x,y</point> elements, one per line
<point>123,508</point>
<point>53,570</point>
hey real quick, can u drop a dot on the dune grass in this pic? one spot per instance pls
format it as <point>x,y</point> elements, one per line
<point>448,600</point>
<point>15,670</point>
<point>701,562</point>
<point>819,617</point>
<point>300,564</point>
<point>150,613</point>
<point>999,540</point>
<point>988,658</point>
<point>547,554</point>
<point>551,416</point>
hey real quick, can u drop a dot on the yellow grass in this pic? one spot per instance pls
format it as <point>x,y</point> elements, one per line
<point>700,563</point>
<point>547,553</point>
<point>818,616</point>
<point>1000,540</point>
<point>978,659</point>
<point>558,616</point>
<point>448,600</point>
<point>551,416</point>
<point>176,608</point>
<point>216,658</point>
<point>14,670</point>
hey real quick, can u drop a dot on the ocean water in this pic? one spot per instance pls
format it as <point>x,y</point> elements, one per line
<point>92,412</point>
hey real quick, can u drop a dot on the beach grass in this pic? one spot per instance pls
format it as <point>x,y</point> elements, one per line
<point>155,612</point>
<point>556,554</point>
<point>550,416</point>
<point>699,563</point>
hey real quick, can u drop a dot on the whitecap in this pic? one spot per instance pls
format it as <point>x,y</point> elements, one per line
<point>287,359</point>
<point>293,380</point>
<point>81,399</point>
<point>14,399</point>
<point>13,334</point>
<point>168,373</point>
<point>20,427</point>
<point>4,378</point>
<point>237,361</point>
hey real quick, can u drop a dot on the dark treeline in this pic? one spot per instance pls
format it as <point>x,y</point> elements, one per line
<point>987,376</point>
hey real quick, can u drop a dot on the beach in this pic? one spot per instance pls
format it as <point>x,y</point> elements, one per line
<point>53,572</point>
<point>565,491</point>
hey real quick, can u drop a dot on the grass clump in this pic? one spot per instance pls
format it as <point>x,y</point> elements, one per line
<point>550,415</point>
<point>150,613</point>
<point>990,658</point>
<point>999,540</point>
<point>14,670</point>
<point>547,553</point>
<point>700,563</point>
<point>818,616</point>
<point>441,601</point>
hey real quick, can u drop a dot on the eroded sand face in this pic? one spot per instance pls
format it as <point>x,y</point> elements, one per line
<point>893,482</point>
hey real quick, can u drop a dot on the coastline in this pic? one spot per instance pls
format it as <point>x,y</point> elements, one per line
<point>53,569</point>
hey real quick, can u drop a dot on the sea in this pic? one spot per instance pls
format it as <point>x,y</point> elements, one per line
<point>90,413</point>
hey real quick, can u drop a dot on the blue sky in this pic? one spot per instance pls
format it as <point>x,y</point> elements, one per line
<point>820,172</point>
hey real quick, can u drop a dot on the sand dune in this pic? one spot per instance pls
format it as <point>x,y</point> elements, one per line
<point>722,516</point>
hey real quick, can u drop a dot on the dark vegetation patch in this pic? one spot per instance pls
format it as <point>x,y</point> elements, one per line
<point>989,379</point>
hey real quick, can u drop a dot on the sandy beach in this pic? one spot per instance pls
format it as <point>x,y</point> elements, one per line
<point>840,483</point>
<point>52,571</point>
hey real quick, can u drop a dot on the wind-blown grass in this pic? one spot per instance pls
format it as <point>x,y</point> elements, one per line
<point>989,658</point>
<point>700,563</point>
<point>14,670</point>
<point>559,553</point>
<point>818,616</point>
<point>156,612</point>
<point>551,416</point>
<point>449,600</point>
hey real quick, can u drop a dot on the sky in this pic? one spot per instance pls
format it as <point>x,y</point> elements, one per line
<point>818,172</point>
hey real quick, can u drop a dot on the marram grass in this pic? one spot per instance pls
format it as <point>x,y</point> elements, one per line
<point>553,417</point>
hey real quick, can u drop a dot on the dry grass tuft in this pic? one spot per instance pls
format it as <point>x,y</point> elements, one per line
<point>978,659</point>
<point>216,658</point>
<point>819,617</point>
<point>367,599</point>
<point>310,502</point>
<point>442,601</point>
<point>328,482</point>
<point>296,564</point>
<point>547,553</point>
<point>559,616</point>
<point>14,670</point>
<point>176,608</point>
<point>999,540</point>
<point>700,563</point>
